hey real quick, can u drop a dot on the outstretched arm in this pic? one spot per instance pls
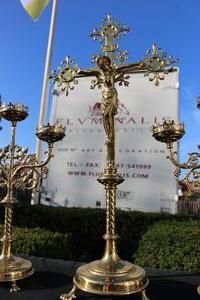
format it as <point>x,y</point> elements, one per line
<point>87,73</point>
<point>131,68</point>
<point>67,75</point>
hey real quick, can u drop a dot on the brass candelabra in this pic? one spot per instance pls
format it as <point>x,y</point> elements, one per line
<point>18,169</point>
<point>111,275</point>
<point>170,132</point>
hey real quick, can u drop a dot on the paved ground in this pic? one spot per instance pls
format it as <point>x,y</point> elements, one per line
<point>54,277</point>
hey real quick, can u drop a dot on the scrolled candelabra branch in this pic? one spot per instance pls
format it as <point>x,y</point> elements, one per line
<point>193,161</point>
<point>28,174</point>
<point>192,180</point>
<point>24,167</point>
<point>169,132</point>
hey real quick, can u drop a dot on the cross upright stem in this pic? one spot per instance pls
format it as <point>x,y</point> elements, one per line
<point>109,46</point>
<point>110,179</point>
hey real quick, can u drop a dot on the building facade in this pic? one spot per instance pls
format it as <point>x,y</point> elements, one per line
<point>79,158</point>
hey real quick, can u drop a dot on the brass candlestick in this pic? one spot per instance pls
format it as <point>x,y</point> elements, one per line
<point>18,169</point>
<point>111,275</point>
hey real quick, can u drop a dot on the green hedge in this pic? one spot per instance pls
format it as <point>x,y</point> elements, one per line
<point>171,245</point>
<point>40,242</point>
<point>86,227</point>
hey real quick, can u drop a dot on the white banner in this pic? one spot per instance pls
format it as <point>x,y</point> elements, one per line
<point>80,157</point>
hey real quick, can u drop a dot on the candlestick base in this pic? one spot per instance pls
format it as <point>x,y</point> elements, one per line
<point>198,289</point>
<point>14,268</point>
<point>98,278</point>
<point>124,278</point>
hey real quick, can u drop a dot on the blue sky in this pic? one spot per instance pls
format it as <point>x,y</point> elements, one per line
<point>173,24</point>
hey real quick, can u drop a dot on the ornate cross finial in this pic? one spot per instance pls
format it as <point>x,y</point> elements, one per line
<point>64,76</point>
<point>158,63</point>
<point>110,29</point>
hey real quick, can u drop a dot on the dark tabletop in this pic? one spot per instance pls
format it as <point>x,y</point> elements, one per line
<point>54,277</point>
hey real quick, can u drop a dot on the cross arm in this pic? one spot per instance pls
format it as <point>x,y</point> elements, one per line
<point>67,75</point>
<point>88,73</point>
<point>131,68</point>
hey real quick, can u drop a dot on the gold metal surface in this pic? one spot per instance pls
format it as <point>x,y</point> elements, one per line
<point>158,64</point>
<point>124,280</point>
<point>13,112</point>
<point>50,133</point>
<point>111,275</point>
<point>169,132</point>
<point>198,289</point>
<point>14,268</point>
<point>18,169</point>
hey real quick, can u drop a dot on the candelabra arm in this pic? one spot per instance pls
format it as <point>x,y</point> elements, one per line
<point>33,165</point>
<point>24,160</point>
<point>3,182</point>
<point>28,174</point>
<point>4,175</point>
<point>172,154</point>
<point>48,157</point>
<point>190,164</point>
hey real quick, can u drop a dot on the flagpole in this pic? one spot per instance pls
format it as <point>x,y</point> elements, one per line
<point>45,87</point>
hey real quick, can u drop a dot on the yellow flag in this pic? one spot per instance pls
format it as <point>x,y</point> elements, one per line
<point>34,7</point>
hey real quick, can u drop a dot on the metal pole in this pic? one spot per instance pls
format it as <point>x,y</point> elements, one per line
<point>45,87</point>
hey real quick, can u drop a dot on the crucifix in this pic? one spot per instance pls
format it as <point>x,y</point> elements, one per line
<point>111,275</point>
